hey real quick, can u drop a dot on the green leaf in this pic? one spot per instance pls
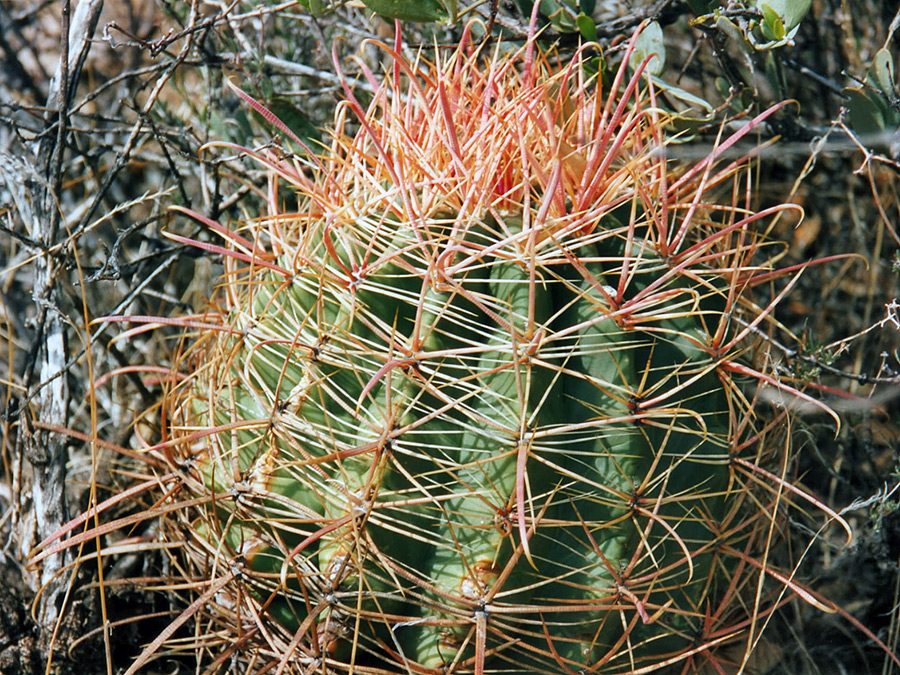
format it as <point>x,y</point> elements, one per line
<point>870,107</point>
<point>684,96</point>
<point>560,15</point>
<point>881,74</point>
<point>774,75</point>
<point>772,26</point>
<point>723,87</point>
<point>650,41</point>
<point>596,67</point>
<point>421,11</point>
<point>791,12</point>
<point>686,123</point>
<point>867,115</point>
<point>586,27</point>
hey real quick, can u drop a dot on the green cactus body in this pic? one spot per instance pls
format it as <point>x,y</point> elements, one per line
<point>609,458</point>
<point>478,535</point>
<point>483,421</point>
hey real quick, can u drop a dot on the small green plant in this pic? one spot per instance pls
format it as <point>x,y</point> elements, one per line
<point>763,24</point>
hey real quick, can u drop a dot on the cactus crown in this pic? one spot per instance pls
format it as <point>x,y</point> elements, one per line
<point>481,402</point>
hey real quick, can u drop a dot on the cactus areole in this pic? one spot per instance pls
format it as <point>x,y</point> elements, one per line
<point>476,404</point>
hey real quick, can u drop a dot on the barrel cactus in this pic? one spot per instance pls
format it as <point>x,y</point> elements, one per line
<point>482,402</point>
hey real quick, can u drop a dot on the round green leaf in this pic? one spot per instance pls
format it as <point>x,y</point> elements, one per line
<point>867,115</point>
<point>650,41</point>
<point>881,74</point>
<point>421,11</point>
<point>586,27</point>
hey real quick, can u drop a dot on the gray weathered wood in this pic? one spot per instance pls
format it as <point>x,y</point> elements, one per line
<point>40,462</point>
